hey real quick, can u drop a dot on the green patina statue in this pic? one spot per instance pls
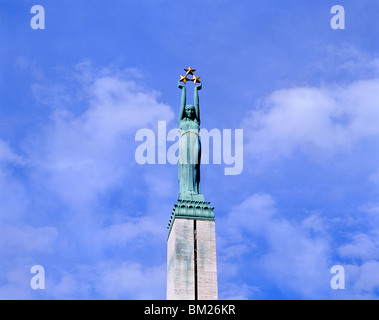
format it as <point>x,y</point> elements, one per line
<point>191,203</point>
<point>189,143</point>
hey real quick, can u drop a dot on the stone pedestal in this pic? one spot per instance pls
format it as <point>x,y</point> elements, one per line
<point>191,252</point>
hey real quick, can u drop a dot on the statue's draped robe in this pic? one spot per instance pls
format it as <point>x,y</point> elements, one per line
<point>189,157</point>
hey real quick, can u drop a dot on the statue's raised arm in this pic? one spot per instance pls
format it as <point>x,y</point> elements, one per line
<point>183,101</point>
<point>196,102</point>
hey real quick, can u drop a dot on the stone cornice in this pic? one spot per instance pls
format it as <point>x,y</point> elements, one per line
<point>191,209</point>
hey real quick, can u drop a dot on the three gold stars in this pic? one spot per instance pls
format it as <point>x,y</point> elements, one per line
<point>185,78</point>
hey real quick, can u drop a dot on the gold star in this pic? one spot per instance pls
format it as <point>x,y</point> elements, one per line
<point>183,78</point>
<point>195,79</point>
<point>190,71</point>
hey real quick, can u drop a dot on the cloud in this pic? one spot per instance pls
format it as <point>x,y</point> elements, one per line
<point>285,253</point>
<point>334,123</point>
<point>368,277</point>
<point>130,280</point>
<point>69,286</point>
<point>7,155</point>
<point>345,62</point>
<point>122,233</point>
<point>311,120</point>
<point>27,238</point>
<point>360,256</point>
<point>15,281</point>
<point>363,246</point>
<point>74,197</point>
<point>234,291</point>
<point>108,279</point>
<point>13,195</point>
<point>82,156</point>
<point>374,177</point>
<point>294,256</point>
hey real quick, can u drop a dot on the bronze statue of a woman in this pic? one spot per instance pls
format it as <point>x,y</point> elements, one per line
<point>189,146</point>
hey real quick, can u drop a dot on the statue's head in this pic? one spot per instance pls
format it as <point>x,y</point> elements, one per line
<point>190,112</point>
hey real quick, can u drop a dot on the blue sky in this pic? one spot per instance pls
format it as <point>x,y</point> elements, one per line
<point>72,96</point>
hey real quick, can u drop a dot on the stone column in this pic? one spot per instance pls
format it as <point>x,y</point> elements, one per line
<point>191,252</point>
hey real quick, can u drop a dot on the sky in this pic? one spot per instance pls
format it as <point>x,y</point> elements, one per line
<point>74,200</point>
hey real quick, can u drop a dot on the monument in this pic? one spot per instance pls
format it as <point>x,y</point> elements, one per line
<point>191,243</point>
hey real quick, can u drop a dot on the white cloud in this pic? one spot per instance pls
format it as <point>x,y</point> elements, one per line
<point>68,287</point>
<point>345,60</point>
<point>14,199</point>
<point>83,156</point>
<point>122,233</point>
<point>253,214</point>
<point>15,281</point>
<point>73,161</point>
<point>27,238</point>
<point>310,119</point>
<point>314,223</point>
<point>361,255</point>
<point>363,246</point>
<point>295,256</point>
<point>234,291</point>
<point>368,277</point>
<point>285,252</point>
<point>362,281</point>
<point>374,177</point>
<point>131,280</point>
<point>335,123</point>
<point>7,155</point>
<point>108,279</point>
